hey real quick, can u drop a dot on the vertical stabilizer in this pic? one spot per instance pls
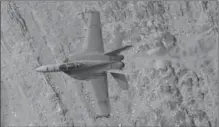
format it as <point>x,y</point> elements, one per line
<point>118,47</point>
<point>121,80</point>
<point>117,51</point>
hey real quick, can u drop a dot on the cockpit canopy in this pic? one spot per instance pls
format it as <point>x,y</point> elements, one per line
<point>71,66</point>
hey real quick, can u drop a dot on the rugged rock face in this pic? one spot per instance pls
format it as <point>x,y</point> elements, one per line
<point>172,67</point>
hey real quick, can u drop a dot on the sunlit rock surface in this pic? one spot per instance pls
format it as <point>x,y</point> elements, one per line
<point>172,67</point>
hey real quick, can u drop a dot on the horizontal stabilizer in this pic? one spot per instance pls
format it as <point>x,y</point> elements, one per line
<point>121,80</point>
<point>119,72</point>
<point>117,51</point>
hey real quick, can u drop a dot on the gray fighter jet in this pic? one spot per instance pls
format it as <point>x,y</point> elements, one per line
<point>93,64</point>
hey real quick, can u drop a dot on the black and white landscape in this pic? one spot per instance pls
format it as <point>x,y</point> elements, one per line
<point>172,68</point>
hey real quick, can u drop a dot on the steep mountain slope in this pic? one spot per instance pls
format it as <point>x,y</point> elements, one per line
<point>172,67</point>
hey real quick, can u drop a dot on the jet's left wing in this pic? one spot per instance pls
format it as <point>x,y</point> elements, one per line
<point>100,96</point>
<point>93,38</point>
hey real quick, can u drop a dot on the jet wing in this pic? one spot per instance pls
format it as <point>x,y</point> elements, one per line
<point>100,96</point>
<point>96,97</point>
<point>93,38</point>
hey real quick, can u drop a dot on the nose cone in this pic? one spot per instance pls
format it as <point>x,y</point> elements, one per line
<point>41,69</point>
<point>49,68</point>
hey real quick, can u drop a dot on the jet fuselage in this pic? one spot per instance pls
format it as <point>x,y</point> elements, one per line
<point>84,66</point>
<point>93,56</point>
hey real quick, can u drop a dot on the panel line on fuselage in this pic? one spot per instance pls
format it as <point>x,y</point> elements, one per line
<point>92,56</point>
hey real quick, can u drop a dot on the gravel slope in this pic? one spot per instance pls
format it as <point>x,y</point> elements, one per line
<point>172,68</point>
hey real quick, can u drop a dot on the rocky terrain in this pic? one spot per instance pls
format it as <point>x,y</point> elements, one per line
<point>172,68</point>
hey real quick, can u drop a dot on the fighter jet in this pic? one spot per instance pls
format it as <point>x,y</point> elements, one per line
<point>92,64</point>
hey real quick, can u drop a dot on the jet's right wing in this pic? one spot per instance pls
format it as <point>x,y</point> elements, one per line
<point>93,39</point>
<point>97,102</point>
<point>100,95</point>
